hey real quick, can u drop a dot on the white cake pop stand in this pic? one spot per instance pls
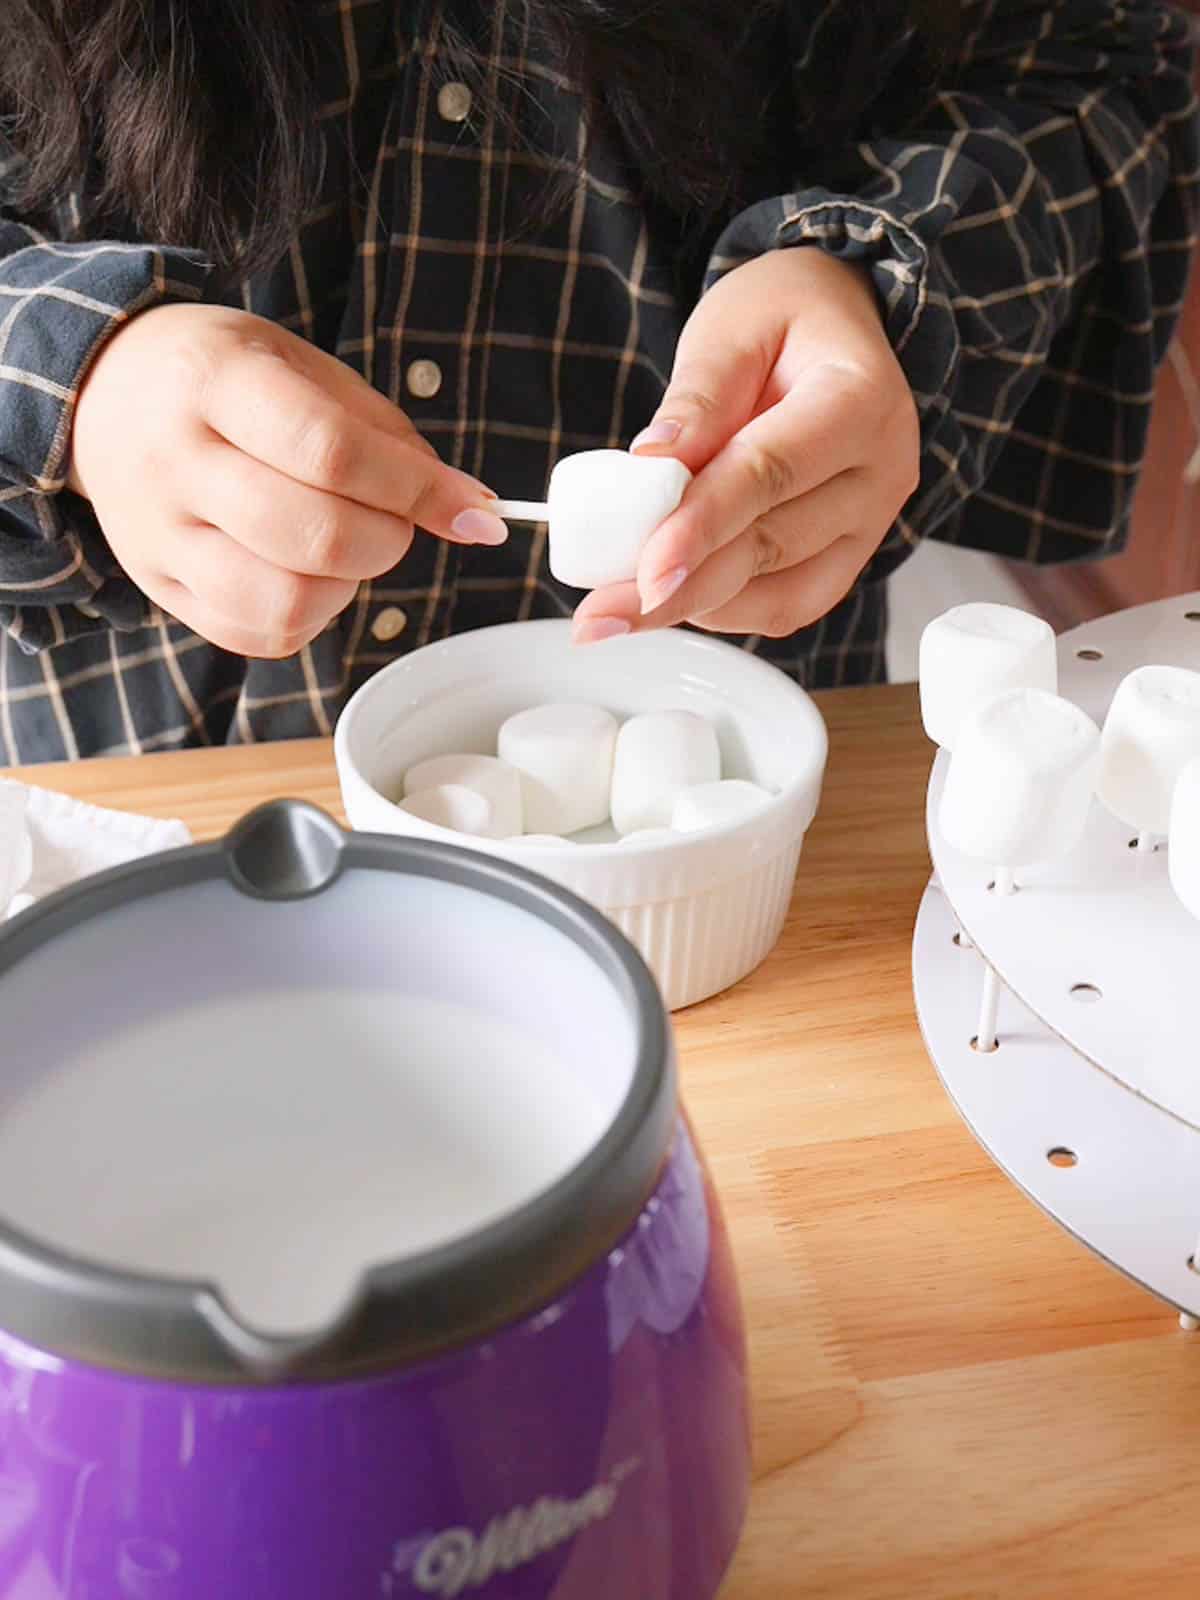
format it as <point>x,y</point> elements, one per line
<point>1091,1100</point>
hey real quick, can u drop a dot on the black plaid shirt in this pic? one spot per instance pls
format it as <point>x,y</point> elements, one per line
<point>1029,235</point>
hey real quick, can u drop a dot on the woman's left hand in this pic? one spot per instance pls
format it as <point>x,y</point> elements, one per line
<point>788,403</point>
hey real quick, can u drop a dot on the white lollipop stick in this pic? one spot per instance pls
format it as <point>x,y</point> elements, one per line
<point>989,1006</point>
<point>521,510</point>
<point>1145,841</point>
<point>989,999</point>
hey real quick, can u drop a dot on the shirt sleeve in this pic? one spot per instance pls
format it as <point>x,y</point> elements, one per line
<point>1029,235</point>
<point>59,303</point>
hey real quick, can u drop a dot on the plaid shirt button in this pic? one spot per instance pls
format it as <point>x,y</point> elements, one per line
<point>424,379</point>
<point>454,102</point>
<point>389,624</point>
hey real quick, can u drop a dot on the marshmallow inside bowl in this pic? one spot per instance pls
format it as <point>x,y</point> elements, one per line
<point>704,907</point>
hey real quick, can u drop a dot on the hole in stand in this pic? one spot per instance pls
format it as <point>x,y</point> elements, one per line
<point>1090,655</point>
<point>1192,1264</point>
<point>1016,888</point>
<point>1191,616</point>
<point>978,1048</point>
<point>1157,845</point>
<point>1060,1156</point>
<point>957,939</point>
<point>1087,993</point>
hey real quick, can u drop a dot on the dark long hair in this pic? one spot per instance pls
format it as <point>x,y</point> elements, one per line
<point>194,120</point>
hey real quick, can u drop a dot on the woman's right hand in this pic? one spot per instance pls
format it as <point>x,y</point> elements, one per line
<point>247,482</point>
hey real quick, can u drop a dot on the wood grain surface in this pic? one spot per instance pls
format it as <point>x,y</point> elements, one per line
<point>954,1400</point>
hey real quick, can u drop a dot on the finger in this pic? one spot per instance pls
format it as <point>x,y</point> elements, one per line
<point>781,603</point>
<point>817,431</point>
<point>252,596</point>
<point>179,602</point>
<point>607,613</point>
<point>282,417</point>
<point>791,533</point>
<point>782,538</point>
<point>722,363</point>
<point>290,525</point>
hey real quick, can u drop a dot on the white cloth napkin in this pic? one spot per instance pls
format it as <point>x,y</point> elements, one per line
<point>49,840</point>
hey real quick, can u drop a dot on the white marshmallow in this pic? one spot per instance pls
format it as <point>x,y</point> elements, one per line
<point>1021,779</point>
<point>1151,733</point>
<point>499,783</point>
<point>564,754</point>
<point>603,507</point>
<point>659,754</point>
<point>974,652</point>
<point>710,805</point>
<point>1183,852</point>
<point>449,805</point>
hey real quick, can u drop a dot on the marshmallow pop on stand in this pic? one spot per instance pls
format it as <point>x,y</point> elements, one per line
<point>970,654</point>
<point>1018,792</point>
<point>1151,733</point>
<point>1022,760</point>
<point>974,652</point>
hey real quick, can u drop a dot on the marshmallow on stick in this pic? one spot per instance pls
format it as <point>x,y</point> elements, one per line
<point>1018,791</point>
<point>974,652</point>
<point>1150,734</point>
<point>601,507</point>
<point>1021,779</point>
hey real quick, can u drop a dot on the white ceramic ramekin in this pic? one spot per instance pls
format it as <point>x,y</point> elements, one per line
<point>704,909</point>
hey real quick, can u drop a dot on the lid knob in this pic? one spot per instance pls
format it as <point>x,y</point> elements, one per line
<point>284,850</point>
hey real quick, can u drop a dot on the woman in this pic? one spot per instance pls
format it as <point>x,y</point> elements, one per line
<point>281,283</point>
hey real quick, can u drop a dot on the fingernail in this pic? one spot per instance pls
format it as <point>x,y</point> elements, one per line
<point>479,527</point>
<point>661,590</point>
<point>664,431</point>
<point>593,629</point>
